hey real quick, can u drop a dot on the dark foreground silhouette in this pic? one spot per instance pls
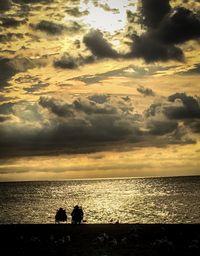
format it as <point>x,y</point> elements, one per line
<point>101,239</point>
<point>60,216</point>
<point>77,215</point>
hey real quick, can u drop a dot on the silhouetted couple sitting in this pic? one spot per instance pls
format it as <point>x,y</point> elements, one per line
<point>77,215</point>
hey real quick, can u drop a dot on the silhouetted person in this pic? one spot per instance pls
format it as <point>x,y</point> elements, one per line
<point>60,215</point>
<point>77,215</point>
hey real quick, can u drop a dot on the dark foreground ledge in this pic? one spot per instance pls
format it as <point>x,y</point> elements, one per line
<point>100,239</point>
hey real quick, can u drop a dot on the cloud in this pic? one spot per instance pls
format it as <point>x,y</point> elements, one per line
<point>178,106</point>
<point>93,107</point>
<point>178,115</point>
<point>166,27</point>
<point>107,8</point>
<point>11,22</point>
<point>194,125</point>
<point>68,61</point>
<point>55,127</point>
<point>161,127</point>
<point>153,11</point>
<point>9,67</point>
<point>145,91</point>
<point>99,98</point>
<point>76,12</point>
<point>35,87</point>
<point>91,79</point>
<point>186,107</point>
<point>53,28</point>
<point>87,124</point>
<point>151,49</point>
<point>56,107</point>
<point>7,71</point>
<point>98,45</point>
<point>195,70</point>
<point>179,26</point>
<point>6,108</point>
<point>50,27</point>
<point>181,135</point>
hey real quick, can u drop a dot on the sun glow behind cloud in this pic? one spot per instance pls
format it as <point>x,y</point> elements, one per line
<point>108,16</point>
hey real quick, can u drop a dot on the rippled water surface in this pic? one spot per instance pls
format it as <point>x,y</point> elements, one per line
<point>141,200</point>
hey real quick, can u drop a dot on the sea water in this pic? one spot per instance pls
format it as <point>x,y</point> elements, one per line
<point>127,200</point>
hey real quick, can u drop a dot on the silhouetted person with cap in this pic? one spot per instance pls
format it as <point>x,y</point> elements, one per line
<point>77,215</point>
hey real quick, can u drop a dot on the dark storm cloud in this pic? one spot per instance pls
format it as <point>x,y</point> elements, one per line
<point>153,11</point>
<point>98,45</point>
<point>50,27</point>
<point>178,109</point>
<point>188,108</point>
<point>171,26</point>
<point>53,28</point>
<point>179,106</point>
<point>178,27</point>
<point>68,61</point>
<point>54,130</point>
<point>151,50</point>
<point>145,91</point>
<point>166,28</point>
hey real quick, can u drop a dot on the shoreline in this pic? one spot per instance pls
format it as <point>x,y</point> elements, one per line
<point>101,239</point>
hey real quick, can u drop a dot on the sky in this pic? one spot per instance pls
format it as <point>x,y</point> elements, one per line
<point>99,89</point>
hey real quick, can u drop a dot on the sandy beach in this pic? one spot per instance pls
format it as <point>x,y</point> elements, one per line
<point>100,239</point>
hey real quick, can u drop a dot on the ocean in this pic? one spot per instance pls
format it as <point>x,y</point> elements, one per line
<point>126,200</point>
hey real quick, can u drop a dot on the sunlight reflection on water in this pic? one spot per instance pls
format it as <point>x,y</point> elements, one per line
<point>150,200</point>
